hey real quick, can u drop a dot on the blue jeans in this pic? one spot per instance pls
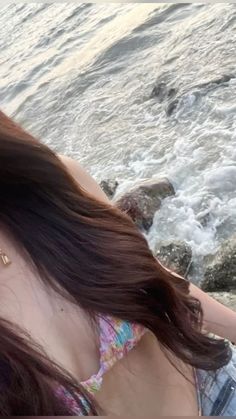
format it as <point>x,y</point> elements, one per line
<point>217,390</point>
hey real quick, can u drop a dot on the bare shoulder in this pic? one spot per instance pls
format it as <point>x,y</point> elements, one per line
<point>72,165</point>
<point>84,179</point>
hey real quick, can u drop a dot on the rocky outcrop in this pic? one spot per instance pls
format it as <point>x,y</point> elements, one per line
<point>220,273</point>
<point>175,255</point>
<point>172,95</point>
<point>141,202</point>
<point>109,186</point>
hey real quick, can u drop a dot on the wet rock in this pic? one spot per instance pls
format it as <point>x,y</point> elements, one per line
<point>225,78</point>
<point>204,218</point>
<point>174,255</point>
<point>164,93</point>
<point>220,273</point>
<point>161,92</point>
<point>172,107</point>
<point>109,186</point>
<point>173,95</point>
<point>144,200</point>
<point>228,299</point>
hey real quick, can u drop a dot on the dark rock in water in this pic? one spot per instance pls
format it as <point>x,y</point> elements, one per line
<point>221,80</point>
<point>109,186</point>
<point>175,255</point>
<point>220,274</point>
<point>159,91</point>
<point>204,218</point>
<point>172,95</point>
<point>171,107</point>
<point>140,207</point>
<point>162,92</point>
<point>144,200</point>
<point>171,92</point>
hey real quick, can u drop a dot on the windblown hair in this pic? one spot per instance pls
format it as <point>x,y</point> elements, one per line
<point>92,253</point>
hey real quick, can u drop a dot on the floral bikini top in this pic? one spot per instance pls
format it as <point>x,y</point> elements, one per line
<point>117,338</point>
<point>216,390</point>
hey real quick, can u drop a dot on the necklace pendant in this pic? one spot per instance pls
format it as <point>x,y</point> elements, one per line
<point>5,259</point>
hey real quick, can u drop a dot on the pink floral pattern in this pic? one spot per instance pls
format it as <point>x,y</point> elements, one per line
<point>117,338</point>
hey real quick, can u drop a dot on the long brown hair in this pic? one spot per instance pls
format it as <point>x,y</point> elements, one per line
<point>93,253</point>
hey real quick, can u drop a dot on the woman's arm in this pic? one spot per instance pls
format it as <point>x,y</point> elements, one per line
<point>218,319</point>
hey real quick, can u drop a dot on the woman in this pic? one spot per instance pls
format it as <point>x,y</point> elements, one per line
<point>90,322</point>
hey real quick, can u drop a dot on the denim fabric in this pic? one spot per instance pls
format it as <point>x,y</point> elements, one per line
<point>217,390</point>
